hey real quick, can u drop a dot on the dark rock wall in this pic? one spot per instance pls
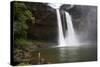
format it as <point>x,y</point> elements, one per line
<point>45,27</point>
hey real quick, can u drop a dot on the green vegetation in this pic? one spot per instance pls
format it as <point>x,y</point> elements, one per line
<point>20,15</point>
<point>23,41</point>
<point>32,30</point>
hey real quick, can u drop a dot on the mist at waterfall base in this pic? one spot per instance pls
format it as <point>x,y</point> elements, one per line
<point>72,36</point>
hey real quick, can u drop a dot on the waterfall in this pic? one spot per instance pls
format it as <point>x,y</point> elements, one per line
<point>61,40</point>
<point>70,38</point>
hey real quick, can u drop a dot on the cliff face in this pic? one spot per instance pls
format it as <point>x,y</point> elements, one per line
<point>45,26</point>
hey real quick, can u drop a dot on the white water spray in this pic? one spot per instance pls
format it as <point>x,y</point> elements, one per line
<point>71,39</point>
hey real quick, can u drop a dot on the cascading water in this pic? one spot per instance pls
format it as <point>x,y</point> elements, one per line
<point>61,40</point>
<point>70,38</point>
